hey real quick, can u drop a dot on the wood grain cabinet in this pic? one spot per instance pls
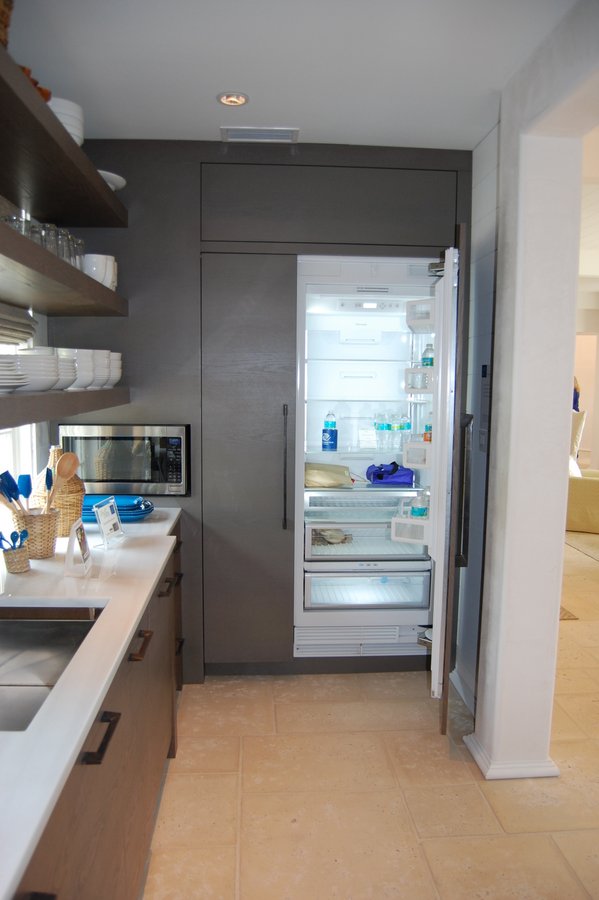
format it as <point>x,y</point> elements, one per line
<point>248,381</point>
<point>96,842</point>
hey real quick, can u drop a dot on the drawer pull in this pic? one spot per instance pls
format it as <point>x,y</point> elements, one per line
<point>147,637</point>
<point>178,545</point>
<point>179,646</point>
<point>96,757</point>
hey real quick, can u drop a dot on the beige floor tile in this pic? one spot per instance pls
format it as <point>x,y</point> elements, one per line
<point>316,688</point>
<point>577,760</point>
<point>206,754</point>
<point>307,762</point>
<point>544,804</point>
<point>588,635</point>
<point>502,867</point>
<point>577,681</point>
<point>582,852</point>
<point>323,846</point>
<point>584,710</point>
<point>573,656</point>
<point>395,685</point>
<point>450,810</point>
<point>226,707</point>
<point>201,872</point>
<point>358,716</point>
<point>197,808</point>
<point>563,726</point>
<point>426,758</point>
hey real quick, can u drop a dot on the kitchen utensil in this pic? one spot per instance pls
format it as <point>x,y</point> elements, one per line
<point>49,480</point>
<point>10,489</point>
<point>25,486</point>
<point>4,541</point>
<point>24,534</point>
<point>66,467</point>
<point>14,538</point>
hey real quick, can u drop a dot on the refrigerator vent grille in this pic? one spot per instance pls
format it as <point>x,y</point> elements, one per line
<point>372,289</point>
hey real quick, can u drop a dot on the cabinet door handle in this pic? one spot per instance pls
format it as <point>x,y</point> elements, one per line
<point>464,490</point>
<point>170,585</point>
<point>146,638</point>
<point>96,757</point>
<point>179,646</point>
<point>285,447</point>
<point>178,545</point>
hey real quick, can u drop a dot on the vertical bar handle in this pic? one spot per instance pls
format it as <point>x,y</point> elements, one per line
<point>96,757</point>
<point>464,490</point>
<point>285,449</point>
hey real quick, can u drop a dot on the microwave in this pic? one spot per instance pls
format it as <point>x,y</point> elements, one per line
<point>131,459</point>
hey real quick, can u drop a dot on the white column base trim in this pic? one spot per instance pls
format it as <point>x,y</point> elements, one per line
<point>545,768</point>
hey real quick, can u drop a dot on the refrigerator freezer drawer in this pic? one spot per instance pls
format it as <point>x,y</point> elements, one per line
<point>382,591</point>
<point>369,541</point>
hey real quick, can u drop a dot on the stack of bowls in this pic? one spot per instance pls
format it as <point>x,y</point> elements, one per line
<point>116,370</point>
<point>70,115</point>
<point>84,366</point>
<point>101,360</point>
<point>40,365</point>
<point>10,376</point>
<point>66,367</point>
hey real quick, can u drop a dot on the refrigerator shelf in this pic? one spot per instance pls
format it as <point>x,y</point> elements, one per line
<point>357,541</point>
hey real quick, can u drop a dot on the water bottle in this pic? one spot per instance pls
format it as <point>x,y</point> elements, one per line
<point>420,505</point>
<point>428,357</point>
<point>406,429</point>
<point>395,436</point>
<point>379,430</point>
<point>329,432</point>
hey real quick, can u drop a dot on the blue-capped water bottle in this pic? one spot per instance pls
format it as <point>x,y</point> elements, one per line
<point>329,432</point>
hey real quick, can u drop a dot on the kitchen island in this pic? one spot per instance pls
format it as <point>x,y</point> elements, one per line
<point>37,763</point>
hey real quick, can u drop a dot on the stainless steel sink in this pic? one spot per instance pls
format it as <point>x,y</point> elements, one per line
<point>33,655</point>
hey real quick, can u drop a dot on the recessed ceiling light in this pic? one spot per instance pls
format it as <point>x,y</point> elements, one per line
<point>232,98</point>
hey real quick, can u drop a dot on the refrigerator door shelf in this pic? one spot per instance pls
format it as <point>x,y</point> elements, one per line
<point>407,529</point>
<point>331,541</point>
<point>418,454</point>
<point>369,591</point>
<point>420,379</point>
<point>420,316</point>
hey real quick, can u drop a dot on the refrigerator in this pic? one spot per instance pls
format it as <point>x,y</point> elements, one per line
<point>376,363</point>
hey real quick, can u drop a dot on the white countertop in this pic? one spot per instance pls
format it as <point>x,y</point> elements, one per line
<point>35,763</point>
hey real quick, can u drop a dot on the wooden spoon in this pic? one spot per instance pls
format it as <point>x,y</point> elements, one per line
<point>66,467</point>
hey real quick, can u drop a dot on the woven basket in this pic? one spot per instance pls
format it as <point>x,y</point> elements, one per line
<point>5,14</point>
<point>68,500</point>
<point>43,530</point>
<point>17,561</point>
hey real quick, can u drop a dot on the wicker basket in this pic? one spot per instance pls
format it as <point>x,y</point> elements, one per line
<point>17,561</point>
<point>43,531</point>
<point>5,14</point>
<point>68,500</point>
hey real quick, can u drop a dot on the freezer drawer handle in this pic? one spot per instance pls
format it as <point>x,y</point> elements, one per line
<point>464,488</point>
<point>285,447</point>
<point>96,757</point>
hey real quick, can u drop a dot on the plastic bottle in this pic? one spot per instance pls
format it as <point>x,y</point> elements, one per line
<point>428,357</point>
<point>379,429</point>
<point>420,505</point>
<point>329,432</point>
<point>395,436</point>
<point>428,429</point>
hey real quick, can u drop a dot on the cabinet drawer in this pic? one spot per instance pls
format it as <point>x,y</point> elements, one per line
<point>381,591</point>
<point>333,542</point>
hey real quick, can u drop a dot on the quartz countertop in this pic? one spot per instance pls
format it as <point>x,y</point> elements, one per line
<point>35,763</point>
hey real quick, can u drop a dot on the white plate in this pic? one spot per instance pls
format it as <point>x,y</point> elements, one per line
<point>116,182</point>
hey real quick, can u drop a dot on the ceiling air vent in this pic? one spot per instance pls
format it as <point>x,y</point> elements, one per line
<point>275,135</point>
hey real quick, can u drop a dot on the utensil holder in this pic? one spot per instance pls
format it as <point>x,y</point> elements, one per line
<point>17,561</point>
<point>43,531</point>
<point>68,500</point>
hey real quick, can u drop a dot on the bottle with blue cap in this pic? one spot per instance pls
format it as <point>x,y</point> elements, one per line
<point>329,432</point>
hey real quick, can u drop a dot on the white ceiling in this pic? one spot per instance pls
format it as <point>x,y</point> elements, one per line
<point>418,73</point>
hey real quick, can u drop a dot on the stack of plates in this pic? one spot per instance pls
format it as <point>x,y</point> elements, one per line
<point>101,360</point>
<point>10,376</point>
<point>116,370</point>
<point>84,366</point>
<point>131,509</point>
<point>40,369</point>
<point>70,115</point>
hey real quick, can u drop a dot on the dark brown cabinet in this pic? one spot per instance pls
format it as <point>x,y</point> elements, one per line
<point>248,377</point>
<point>96,842</point>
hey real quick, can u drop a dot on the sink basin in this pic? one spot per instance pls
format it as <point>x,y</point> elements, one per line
<point>33,655</point>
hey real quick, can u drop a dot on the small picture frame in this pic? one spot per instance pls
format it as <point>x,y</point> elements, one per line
<point>78,559</point>
<point>109,520</point>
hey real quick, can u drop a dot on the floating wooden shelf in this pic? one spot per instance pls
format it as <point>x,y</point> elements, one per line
<point>31,276</point>
<point>21,408</point>
<point>42,169</point>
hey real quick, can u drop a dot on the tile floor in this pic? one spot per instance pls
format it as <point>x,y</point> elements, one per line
<point>321,787</point>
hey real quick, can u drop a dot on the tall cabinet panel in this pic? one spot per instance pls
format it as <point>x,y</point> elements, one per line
<point>248,398</point>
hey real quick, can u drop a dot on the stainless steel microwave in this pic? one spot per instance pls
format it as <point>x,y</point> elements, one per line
<point>131,459</point>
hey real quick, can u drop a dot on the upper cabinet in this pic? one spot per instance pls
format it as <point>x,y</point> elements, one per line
<point>42,170</point>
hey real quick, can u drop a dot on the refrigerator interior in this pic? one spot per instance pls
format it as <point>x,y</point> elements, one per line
<point>363,327</point>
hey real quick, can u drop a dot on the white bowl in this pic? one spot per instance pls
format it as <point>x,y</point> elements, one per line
<point>66,106</point>
<point>113,379</point>
<point>39,383</point>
